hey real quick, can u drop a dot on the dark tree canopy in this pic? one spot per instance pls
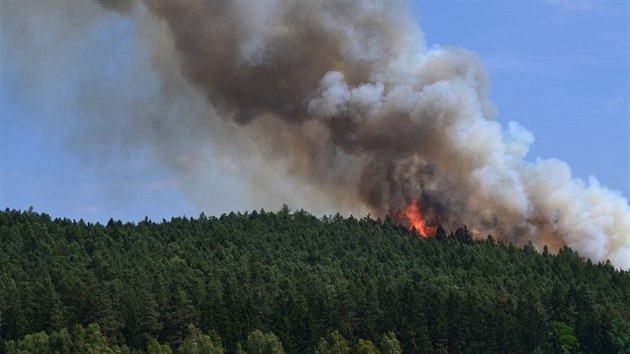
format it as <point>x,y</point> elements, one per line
<point>269,282</point>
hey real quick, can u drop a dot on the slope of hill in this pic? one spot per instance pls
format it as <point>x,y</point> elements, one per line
<point>288,281</point>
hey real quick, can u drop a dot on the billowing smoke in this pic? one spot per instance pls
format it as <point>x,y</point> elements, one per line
<point>348,98</point>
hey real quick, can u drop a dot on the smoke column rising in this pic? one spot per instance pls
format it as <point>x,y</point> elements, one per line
<point>348,99</point>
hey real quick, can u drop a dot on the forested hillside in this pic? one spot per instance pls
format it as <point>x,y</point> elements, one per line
<point>265,282</point>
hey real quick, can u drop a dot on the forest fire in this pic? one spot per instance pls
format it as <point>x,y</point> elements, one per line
<point>414,218</point>
<point>338,105</point>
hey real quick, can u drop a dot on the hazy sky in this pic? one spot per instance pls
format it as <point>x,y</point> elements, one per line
<point>559,68</point>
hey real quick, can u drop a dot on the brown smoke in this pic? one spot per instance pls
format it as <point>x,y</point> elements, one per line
<point>346,95</point>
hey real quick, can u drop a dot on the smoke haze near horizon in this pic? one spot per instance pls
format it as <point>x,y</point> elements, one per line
<point>340,101</point>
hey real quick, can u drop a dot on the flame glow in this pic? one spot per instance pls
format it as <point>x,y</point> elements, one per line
<point>412,214</point>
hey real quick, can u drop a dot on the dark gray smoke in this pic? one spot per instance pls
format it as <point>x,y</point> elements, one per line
<point>346,96</point>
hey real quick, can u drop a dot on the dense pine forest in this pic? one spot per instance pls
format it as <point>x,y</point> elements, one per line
<point>275,282</point>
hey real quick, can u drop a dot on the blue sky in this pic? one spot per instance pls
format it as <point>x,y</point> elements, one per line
<point>559,68</point>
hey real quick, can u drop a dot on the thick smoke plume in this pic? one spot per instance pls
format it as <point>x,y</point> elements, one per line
<point>349,99</point>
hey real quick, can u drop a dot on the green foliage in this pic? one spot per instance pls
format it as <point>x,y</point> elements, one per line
<point>562,338</point>
<point>263,343</point>
<point>620,335</point>
<point>335,344</point>
<point>31,343</point>
<point>154,347</point>
<point>366,347</point>
<point>78,340</point>
<point>239,349</point>
<point>312,285</point>
<point>389,344</point>
<point>199,343</point>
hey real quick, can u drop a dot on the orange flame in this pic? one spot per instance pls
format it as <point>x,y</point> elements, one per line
<point>414,217</point>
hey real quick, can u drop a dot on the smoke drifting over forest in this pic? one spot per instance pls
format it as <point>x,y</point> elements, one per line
<point>346,96</point>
